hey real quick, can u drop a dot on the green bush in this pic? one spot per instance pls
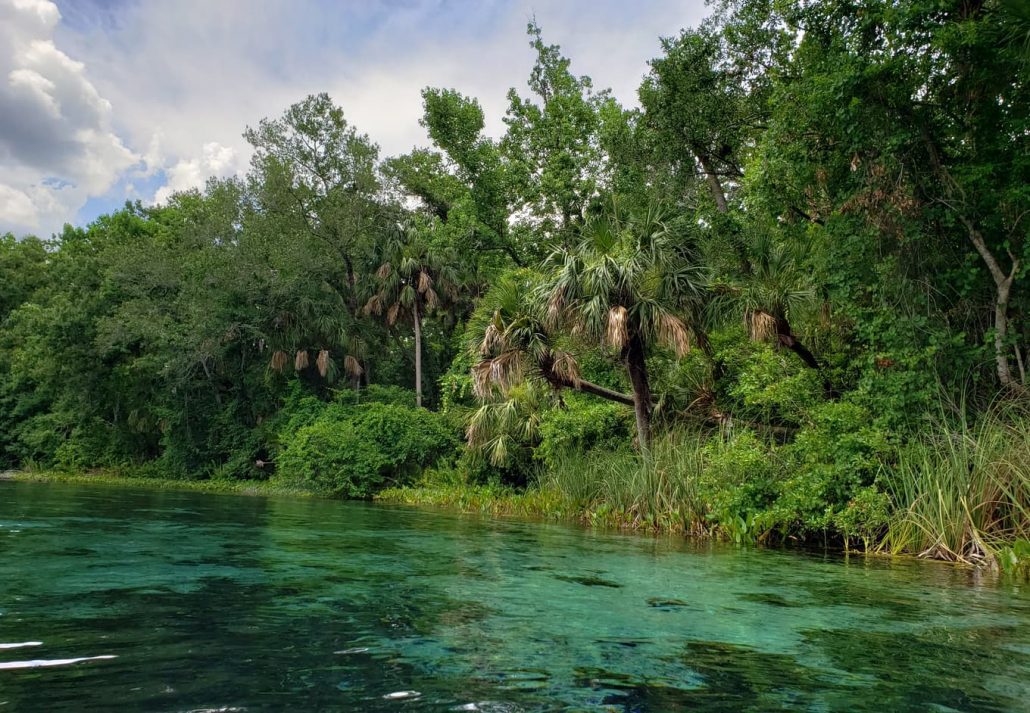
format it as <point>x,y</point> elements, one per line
<point>739,484</point>
<point>355,452</point>
<point>833,458</point>
<point>585,424</point>
<point>377,393</point>
<point>762,384</point>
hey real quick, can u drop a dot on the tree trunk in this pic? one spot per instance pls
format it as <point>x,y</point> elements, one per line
<point>714,184</point>
<point>590,388</point>
<point>1002,291</point>
<point>637,367</point>
<point>1002,282</point>
<point>587,387</point>
<point>418,356</point>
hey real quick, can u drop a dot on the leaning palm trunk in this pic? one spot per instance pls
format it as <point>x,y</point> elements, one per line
<point>637,367</point>
<point>418,355</point>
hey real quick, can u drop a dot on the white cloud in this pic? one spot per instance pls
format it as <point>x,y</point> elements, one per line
<point>57,146</point>
<point>215,160</point>
<point>16,207</point>
<point>185,77</point>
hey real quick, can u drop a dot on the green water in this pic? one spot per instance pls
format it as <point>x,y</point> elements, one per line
<point>235,603</point>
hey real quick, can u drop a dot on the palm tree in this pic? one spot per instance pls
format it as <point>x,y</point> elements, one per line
<point>630,282</point>
<point>633,282</point>
<point>413,280</point>
<point>774,292</point>
<point>511,342</point>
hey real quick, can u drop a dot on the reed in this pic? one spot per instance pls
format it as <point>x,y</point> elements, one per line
<point>961,492</point>
<point>659,490</point>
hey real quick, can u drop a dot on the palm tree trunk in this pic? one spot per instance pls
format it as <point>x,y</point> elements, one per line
<point>588,387</point>
<point>418,356</point>
<point>637,367</point>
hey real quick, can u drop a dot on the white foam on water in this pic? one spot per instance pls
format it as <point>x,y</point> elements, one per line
<point>39,663</point>
<point>18,646</point>
<point>357,650</point>
<point>401,695</point>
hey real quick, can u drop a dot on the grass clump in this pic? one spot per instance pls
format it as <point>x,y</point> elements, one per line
<point>961,492</point>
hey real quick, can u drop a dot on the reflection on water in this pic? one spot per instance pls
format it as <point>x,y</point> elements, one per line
<point>180,601</point>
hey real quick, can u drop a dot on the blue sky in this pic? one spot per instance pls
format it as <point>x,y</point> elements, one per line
<point>103,101</point>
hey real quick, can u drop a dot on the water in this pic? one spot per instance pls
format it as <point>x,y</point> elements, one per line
<point>157,601</point>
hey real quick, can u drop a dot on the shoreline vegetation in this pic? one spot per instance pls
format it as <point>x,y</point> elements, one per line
<point>952,492</point>
<point>779,297</point>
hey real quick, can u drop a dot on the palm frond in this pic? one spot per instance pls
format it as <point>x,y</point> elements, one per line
<point>617,332</point>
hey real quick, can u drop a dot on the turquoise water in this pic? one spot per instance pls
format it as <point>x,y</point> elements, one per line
<point>200,602</point>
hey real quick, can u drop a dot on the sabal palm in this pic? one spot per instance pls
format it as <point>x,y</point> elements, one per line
<point>631,281</point>
<point>413,280</point>
<point>518,363</point>
<point>774,292</point>
<point>510,342</point>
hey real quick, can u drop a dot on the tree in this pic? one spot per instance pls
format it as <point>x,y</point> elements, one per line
<point>314,173</point>
<point>414,279</point>
<point>478,212</point>
<point>552,146</point>
<point>633,282</point>
<point>630,282</point>
<point>909,118</point>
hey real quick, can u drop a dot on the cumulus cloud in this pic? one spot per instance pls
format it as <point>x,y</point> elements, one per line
<point>185,77</point>
<point>215,160</point>
<point>57,145</point>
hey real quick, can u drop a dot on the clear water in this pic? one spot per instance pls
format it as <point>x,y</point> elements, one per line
<point>200,602</point>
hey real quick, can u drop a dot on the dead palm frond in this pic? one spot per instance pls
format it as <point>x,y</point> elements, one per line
<point>617,333</point>
<point>674,333</point>
<point>352,366</point>
<point>425,282</point>
<point>374,305</point>
<point>761,325</point>
<point>279,359</point>
<point>566,367</point>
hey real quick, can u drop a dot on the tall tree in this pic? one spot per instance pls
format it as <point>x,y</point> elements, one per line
<point>910,116</point>
<point>552,146</point>
<point>414,279</point>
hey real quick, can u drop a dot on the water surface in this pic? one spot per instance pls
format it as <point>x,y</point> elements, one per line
<point>131,600</point>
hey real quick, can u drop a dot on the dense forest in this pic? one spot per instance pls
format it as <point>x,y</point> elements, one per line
<point>782,297</point>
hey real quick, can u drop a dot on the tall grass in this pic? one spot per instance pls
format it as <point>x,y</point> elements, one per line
<point>961,492</point>
<point>658,490</point>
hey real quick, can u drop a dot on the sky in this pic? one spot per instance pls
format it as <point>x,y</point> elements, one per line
<point>103,101</point>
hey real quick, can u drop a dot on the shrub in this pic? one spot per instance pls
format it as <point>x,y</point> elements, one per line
<point>585,424</point>
<point>739,484</point>
<point>760,383</point>
<point>837,454</point>
<point>355,452</point>
<point>377,393</point>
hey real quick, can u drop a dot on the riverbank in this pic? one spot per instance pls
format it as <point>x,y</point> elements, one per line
<point>536,503</point>
<point>105,478</point>
<point>540,503</point>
